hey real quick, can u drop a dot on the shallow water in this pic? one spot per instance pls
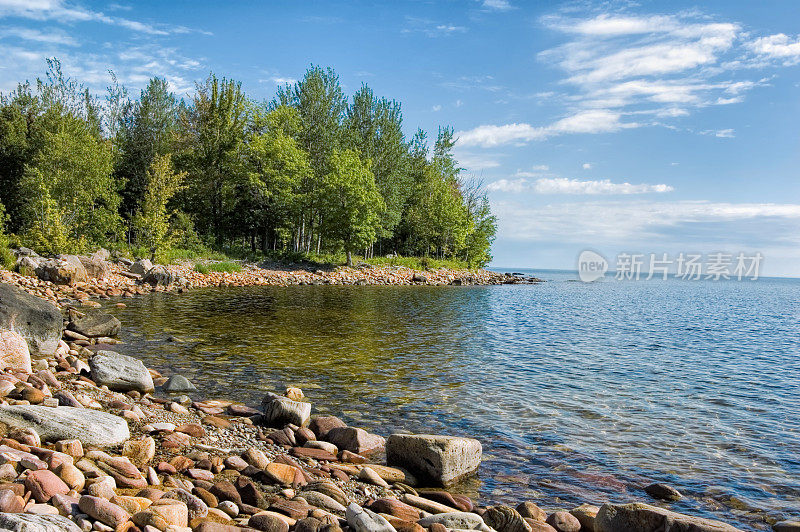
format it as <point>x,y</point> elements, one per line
<point>578,392</point>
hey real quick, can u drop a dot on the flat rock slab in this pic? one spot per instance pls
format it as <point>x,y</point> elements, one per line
<point>96,325</point>
<point>120,372</point>
<point>36,320</point>
<point>36,523</point>
<point>91,427</point>
<point>438,459</point>
<point>639,517</point>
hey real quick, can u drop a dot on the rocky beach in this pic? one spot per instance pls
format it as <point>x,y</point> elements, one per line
<point>94,440</point>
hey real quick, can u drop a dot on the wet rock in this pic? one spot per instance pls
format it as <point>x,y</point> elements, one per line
<point>363,520</point>
<point>786,526</point>
<point>321,425</point>
<point>355,440</point>
<point>664,492</point>
<point>95,325</point>
<point>457,520</point>
<point>36,320</point>
<point>564,522</point>
<point>91,427</point>
<point>280,411</point>
<point>120,372</point>
<point>586,514</point>
<point>640,517</point>
<point>438,459</point>
<point>14,351</point>
<point>179,384</point>
<point>36,523</point>
<point>505,519</point>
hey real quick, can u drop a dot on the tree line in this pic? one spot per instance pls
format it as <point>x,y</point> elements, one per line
<point>309,171</point>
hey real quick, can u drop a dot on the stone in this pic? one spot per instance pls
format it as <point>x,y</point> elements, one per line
<point>72,447</point>
<point>320,500</point>
<point>226,491</point>
<point>195,506</point>
<point>786,526</point>
<point>140,267</point>
<point>268,522</point>
<point>33,318</point>
<point>96,266</point>
<point>120,372</point>
<point>36,523</point>
<point>327,487</point>
<point>394,508</point>
<point>95,325</point>
<point>664,492</point>
<point>103,510</point>
<point>159,276</point>
<point>281,473</point>
<point>65,505</point>
<point>355,440</point>
<point>367,474</point>
<point>64,269</point>
<point>539,526</point>
<point>564,522</point>
<point>321,425</point>
<point>438,459</point>
<point>131,504</point>
<point>91,427</point>
<point>279,411</point>
<point>178,384</point>
<point>14,351</point>
<point>586,515</point>
<point>529,510</point>
<point>640,517</point>
<point>294,509</point>
<point>43,484</point>
<point>457,520</point>
<point>294,393</point>
<point>256,457</point>
<point>72,476</point>
<point>237,463</point>
<point>505,519</point>
<point>10,502</point>
<point>363,520</point>
<point>141,451</point>
<point>461,502</point>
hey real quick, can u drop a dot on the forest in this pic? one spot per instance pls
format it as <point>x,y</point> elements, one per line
<point>311,171</point>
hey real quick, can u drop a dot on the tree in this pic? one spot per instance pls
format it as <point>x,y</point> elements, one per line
<point>375,128</point>
<point>6,257</point>
<point>151,222</point>
<point>351,203</point>
<point>212,140</point>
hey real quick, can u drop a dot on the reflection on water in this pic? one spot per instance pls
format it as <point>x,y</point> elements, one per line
<point>579,393</point>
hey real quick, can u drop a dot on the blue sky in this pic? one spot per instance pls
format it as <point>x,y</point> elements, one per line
<point>616,126</point>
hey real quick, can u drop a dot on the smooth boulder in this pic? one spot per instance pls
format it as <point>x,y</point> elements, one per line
<point>95,325</point>
<point>141,266</point>
<point>159,275</point>
<point>363,520</point>
<point>178,384</point>
<point>91,427</point>
<point>280,411</point>
<point>640,517</point>
<point>438,459</point>
<point>14,351</point>
<point>36,523</point>
<point>120,372</point>
<point>35,319</point>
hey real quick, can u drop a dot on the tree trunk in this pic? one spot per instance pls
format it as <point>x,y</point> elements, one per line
<point>349,259</point>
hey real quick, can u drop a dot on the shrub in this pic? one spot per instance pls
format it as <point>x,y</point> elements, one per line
<point>222,267</point>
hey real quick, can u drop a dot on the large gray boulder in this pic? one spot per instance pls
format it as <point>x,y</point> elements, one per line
<point>159,275</point>
<point>37,320</point>
<point>120,372</point>
<point>438,459</point>
<point>640,517</point>
<point>36,523</point>
<point>364,520</point>
<point>64,269</point>
<point>91,427</point>
<point>95,325</point>
<point>141,266</point>
<point>96,267</point>
<point>280,411</point>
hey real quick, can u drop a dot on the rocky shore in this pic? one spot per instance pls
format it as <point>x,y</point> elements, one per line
<point>91,439</point>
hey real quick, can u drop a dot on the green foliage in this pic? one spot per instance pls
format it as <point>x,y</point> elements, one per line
<point>309,175</point>
<point>351,203</point>
<point>151,222</point>
<point>223,267</point>
<point>6,257</point>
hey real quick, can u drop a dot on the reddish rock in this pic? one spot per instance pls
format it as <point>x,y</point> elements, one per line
<point>103,510</point>
<point>320,426</point>
<point>352,458</point>
<point>192,429</point>
<point>226,491</point>
<point>316,454</point>
<point>218,422</point>
<point>394,507</point>
<point>200,474</point>
<point>303,435</point>
<point>294,509</point>
<point>10,502</point>
<point>355,440</point>
<point>43,484</point>
<point>564,522</point>
<point>268,523</point>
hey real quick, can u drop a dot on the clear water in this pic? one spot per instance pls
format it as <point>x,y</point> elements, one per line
<point>578,392</point>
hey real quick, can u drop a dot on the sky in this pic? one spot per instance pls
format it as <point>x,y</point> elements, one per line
<point>619,127</point>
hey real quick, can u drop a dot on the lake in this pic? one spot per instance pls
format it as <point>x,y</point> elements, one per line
<point>578,392</point>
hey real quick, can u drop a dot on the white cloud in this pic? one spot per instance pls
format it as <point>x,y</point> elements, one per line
<point>497,5</point>
<point>589,121</point>
<point>430,28</point>
<point>720,133</point>
<point>62,11</point>
<point>628,222</point>
<point>587,166</point>
<point>778,46</point>
<point>437,108</point>
<point>50,36</point>
<point>563,185</point>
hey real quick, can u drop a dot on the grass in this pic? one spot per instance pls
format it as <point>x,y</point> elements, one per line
<point>225,266</point>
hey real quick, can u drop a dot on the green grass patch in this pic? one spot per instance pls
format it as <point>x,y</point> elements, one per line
<point>223,267</point>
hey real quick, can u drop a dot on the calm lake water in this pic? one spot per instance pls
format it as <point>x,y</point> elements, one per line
<point>578,392</point>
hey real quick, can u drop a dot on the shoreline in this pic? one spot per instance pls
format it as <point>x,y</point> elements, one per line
<point>212,442</point>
